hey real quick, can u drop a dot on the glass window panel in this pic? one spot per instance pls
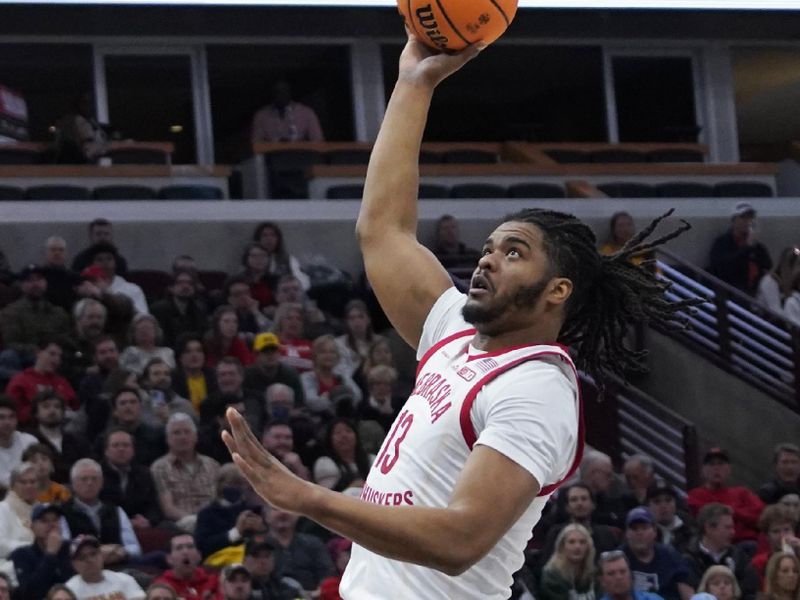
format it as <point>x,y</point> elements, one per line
<point>538,93</point>
<point>150,99</point>
<point>241,78</point>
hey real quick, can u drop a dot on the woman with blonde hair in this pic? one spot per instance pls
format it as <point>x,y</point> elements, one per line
<point>783,577</point>
<point>720,582</point>
<point>144,336</point>
<point>570,572</point>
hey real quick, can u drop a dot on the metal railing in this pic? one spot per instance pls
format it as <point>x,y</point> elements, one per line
<point>636,423</point>
<point>736,332</point>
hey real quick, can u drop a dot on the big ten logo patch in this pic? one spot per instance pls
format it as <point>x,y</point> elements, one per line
<point>466,373</point>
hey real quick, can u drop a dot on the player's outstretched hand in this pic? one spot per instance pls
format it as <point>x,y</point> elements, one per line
<point>420,64</point>
<point>266,474</point>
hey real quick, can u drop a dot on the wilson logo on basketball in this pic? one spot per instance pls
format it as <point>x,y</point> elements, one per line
<point>428,22</point>
<point>466,373</point>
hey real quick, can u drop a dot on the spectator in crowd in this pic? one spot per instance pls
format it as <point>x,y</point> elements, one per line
<point>778,525</point>
<point>105,256</point>
<point>737,257</point>
<point>184,479</point>
<point>213,423</point>
<point>448,247</point>
<point>90,327</point>
<point>189,580</point>
<point>285,120</point>
<point>41,456</point>
<point>655,567</point>
<point>715,546</point>
<point>161,591</point>
<point>27,320</point>
<point>345,464</point>
<point>223,340</point>
<point>98,408</point>
<point>259,559</point>
<point>640,476</point>
<point>127,483</point>
<point>44,563</point>
<point>236,582</point>
<point>783,577</point>
<point>268,368</point>
<point>61,280</point>
<point>16,509</point>
<point>255,265</point>
<point>126,413</point>
<point>278,439</point>
<point>580,508</point>
<point>105,360</point>
<point>354,344</point>
<point>720,582</point>
<point>120,308</point>
<point>160,400</point>
<point>340,549</point>
<point>5,586</point>
<point>228,520</point>
<point>86,513</point>
<point>43,374</point>
<point>49,424</point>
<point>281,263</point>
<point>381,405</point>
<point>193,380</point>
<point>92,580</point>
<point>13,443</point>
<point>786,459</point>
<point>597,472</point>
<point>145,336</point>
<point>182,310</point>
<point>239,295</point>
<point>289,326</point>
<point>380,353</point>
<point>792,503</point>
<point>570,571</point>
<point>324,377</point>
<point>791,307</point>
<point>745,504</point>
<point>616,578</point>
<point>100,231</point>
<point>290,289</point>
<point>229,374</point>
<point>621,229</point>
<point>80,138</point>
<point>301,556</point>
<point>672,527</point>
<point>776,285</point>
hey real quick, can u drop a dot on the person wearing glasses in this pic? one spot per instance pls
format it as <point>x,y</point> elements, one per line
<point>617,580</point>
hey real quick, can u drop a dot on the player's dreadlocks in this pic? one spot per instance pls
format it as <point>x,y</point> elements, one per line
<point>609,292</point>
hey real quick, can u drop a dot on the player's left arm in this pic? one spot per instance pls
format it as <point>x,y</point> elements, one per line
<point>491,494</point>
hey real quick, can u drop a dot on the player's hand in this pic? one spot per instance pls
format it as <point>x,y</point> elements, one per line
<point>421,65</point>
<point>267,475</point>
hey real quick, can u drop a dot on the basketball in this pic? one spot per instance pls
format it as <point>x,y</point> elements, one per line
<point>452,25</point>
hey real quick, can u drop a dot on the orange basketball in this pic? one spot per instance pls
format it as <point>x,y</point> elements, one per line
<point>454,24</point>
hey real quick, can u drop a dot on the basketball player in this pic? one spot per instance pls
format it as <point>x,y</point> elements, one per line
<point>493,424</point>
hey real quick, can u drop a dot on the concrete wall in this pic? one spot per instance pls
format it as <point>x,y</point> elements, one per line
<point>150,234</point>
<point>727,411</point>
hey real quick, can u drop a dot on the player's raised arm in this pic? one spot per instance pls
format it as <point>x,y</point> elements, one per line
<point>405,275</point>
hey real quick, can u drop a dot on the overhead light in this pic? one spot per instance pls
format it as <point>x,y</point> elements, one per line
<point>175,128</point>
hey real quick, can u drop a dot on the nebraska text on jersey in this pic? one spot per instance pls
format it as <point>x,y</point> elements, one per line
<point>523,402</point>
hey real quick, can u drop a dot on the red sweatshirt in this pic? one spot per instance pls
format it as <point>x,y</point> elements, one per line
<point>202,585</point>
<point>745,504</point>
<point>26,384</point>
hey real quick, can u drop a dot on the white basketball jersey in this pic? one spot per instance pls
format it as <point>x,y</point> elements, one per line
<point>429,443</point>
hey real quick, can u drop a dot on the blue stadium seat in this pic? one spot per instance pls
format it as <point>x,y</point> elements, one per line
<point>10,192</point>
<point>624,189</point>
<point>743,189</point>
<point>429,191</point>
<point>345,192</point>
<point>124,192</point>
<point>57,192</point>
<point>190,192</point>
<point>685,189</point>
<point>536,190</point>
<point>478,190</point>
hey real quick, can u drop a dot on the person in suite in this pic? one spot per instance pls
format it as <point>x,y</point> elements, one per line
<point>493,425</point>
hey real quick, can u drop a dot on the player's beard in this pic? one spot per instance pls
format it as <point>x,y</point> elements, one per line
<point>523,298</point>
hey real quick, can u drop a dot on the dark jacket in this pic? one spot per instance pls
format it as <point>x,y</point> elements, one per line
<point>140,496</point>
<point>174,322</point>
<point>180,387</point>
<point>149,442</point>
<point>257,380</point>
<point>734,558</point>
<point>213,523</point>
<point>37,571</point>
<point>80,523</point>
<point>73,448</point>
<point>731,261</point>
<point>772,492</point>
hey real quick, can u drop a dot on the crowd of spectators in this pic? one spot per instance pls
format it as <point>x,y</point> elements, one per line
<point>117,485</point>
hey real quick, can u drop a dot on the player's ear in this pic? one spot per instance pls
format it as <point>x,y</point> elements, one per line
<point>559,290</point>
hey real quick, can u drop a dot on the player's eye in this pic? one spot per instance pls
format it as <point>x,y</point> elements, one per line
<point>513,252</point>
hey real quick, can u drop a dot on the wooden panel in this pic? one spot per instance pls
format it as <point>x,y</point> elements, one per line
<point>165,147</point>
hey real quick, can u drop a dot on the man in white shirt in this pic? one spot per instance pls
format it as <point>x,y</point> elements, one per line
<point>92,581</point>
<point>12,442</point>
<point>493,425</point>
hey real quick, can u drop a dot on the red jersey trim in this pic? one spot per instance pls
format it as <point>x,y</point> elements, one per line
<point>514,348</point>
<point>468,431</point>
<point>440,344</point>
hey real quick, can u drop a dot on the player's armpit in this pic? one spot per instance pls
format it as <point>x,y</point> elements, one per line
<point>491,494</point>
<point>407,279</point>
